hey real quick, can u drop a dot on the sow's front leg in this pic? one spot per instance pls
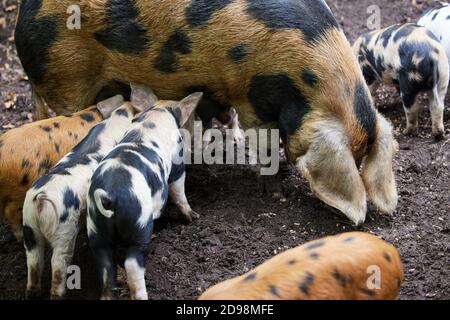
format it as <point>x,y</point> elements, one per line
<point>264,150</point>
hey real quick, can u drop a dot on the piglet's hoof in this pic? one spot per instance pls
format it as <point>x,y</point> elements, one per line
<point>439,136</point>
<point>189,216</point>
<point>56,297</point>
<point>192,215</point>
<point>33,294</point>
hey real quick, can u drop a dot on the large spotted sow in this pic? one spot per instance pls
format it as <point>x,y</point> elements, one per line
<point>283,64</point>
<point>28,152</point>
<point>54,204</point>
<point>411,58</point>
<point>131,187</point>
<point>437,20</point>
<point>349,266</point>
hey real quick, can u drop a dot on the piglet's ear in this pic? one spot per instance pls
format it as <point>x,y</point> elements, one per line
<point>187,106</point>
<point>107,107</point>
<point>142,97</point>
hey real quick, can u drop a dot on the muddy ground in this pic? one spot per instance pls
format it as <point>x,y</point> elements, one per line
<point>239,228</point>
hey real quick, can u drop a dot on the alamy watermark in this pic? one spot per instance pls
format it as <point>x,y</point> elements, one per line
<point>263,147</point>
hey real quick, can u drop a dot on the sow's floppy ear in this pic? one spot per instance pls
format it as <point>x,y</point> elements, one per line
<point>332,173</point>
<point>377,172</point>
<point>108,106</point>
<point>142,97</point>
<point>184,109</point>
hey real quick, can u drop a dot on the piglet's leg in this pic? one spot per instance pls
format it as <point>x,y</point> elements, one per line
<point>107,270</point>
<point>61,258</point>
<point>34,247</point>
<point>412,108</point>
<point>178,196</point>
<point>135,269</point>
<point>412,118</point>
<point>437,99</point>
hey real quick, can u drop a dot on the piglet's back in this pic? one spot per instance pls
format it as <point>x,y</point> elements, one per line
<point>340,267</point>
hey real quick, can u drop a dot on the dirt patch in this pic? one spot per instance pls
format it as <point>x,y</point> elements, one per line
<point>239,228</point>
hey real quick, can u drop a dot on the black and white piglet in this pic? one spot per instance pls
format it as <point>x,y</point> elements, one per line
<point>54,204</point>
<point>411,58</point>
<point>131,186</point>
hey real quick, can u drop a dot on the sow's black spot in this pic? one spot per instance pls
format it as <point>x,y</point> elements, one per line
<point>34,37</point>
<point>238,53</point>
<point>88,117</point>
<point>28,238</point>
<point>312,17</point>
<point>199,12</point>
<point>124,32</point>
<point>178,42</point>
<point>275,98</point>
<point>365,113</point>
<point>387,257</point>
<point>207,92</point>
<point>305,285</point>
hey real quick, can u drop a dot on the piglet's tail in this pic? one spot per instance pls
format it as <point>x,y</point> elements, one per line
<point>100,198</point>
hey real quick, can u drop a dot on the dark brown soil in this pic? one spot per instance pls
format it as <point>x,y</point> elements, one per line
<point>239,228</point>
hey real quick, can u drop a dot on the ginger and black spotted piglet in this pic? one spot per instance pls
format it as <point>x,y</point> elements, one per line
<point>411,58</point>
<point>28,152</point>
<point>131,187</point>
<point>56,202</point>
<point>282,64</point>
<point>349,266</point>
